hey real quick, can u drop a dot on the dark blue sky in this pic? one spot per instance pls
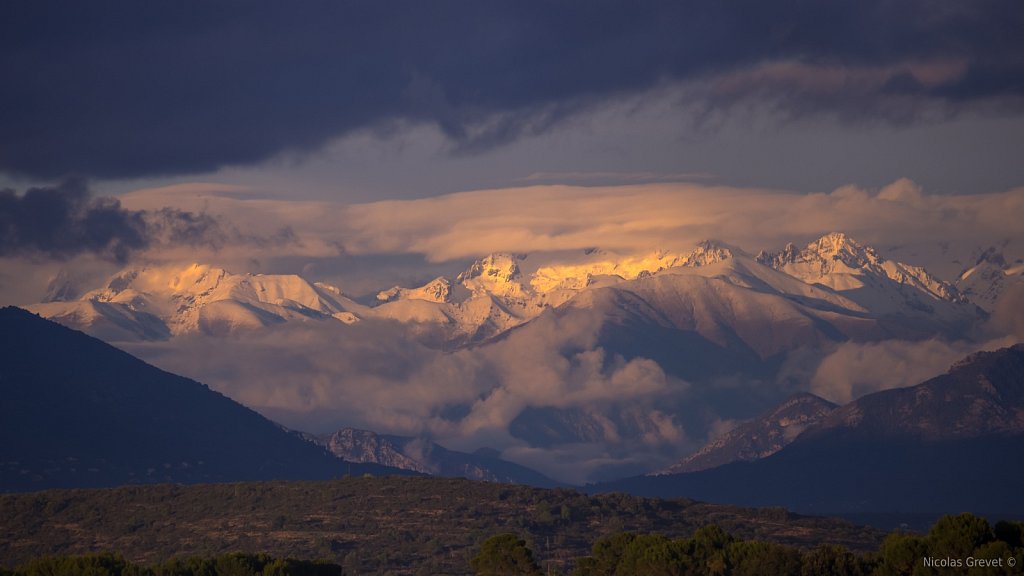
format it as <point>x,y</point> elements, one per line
<point>362,100</point>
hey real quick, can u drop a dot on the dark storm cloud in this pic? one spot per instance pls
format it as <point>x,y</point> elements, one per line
<point>66,220</point>
<point>120,89</point>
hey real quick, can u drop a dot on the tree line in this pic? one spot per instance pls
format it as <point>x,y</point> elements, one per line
<point>956,544</point>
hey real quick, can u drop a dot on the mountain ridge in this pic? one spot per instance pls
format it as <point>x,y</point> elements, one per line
<point>496,293</point>
<point>865,276</point>
<point>97,416</point>
<point>758,438</point>
<point>949,444</point>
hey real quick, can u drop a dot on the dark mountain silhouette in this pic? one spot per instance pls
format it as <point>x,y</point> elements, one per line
<point>951,444</point>
<point>979,396</point>
<point>760,437</point>
<point>76,412</point>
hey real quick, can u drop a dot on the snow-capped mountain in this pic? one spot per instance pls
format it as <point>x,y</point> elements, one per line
<point>486,299</point>
<point>886,288</point>
<point>158,302</point>
<point>839,262</point>
<point>493,294</point>
<point>724,317</point>
<point>723,325</point>
<point>437,290</point>
<point>727,309</point>
<point>650,348</point>
<point>991,276</point>
<point>836,277</point>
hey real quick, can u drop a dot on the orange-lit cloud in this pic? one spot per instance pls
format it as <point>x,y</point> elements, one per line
<point>630,218</point>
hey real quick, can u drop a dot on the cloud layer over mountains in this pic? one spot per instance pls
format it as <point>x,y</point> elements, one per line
<point>323,377</point>
<point>549,219</point>
<point>561,392</point>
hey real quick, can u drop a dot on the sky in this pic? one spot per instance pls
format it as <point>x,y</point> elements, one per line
<point>370,144</point>
<point>359,102</point>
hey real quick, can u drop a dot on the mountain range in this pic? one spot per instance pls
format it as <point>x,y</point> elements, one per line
<point>79,413</point>
<point>833,275</point>
<point>952,443</point>
<point>723,334</point>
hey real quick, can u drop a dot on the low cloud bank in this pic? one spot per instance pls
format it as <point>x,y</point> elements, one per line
<point>641,217</point>
<point>323,375</point>
<point>856,369</point>
<point>901,220</point>
<point>552,397</point>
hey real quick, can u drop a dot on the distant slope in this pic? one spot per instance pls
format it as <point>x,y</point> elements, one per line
<point>980,396</point>
<point>428,457</point>
<point>760,437</point>
<point>951,444</point>
<point>76,412</point>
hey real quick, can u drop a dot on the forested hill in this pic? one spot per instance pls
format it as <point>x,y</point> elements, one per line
<point>368,524</point>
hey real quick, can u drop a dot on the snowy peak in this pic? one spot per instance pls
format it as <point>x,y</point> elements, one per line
<point>841,263</point>
<point>158,301</point>
<point>495,293</point>
<point>497,274</point>
<point>989,278</point>
<point>832,253</point>
<point>500,276</point>
<point>437,290</point>
<point>839,248</point>
<point>196,285</point>
<point>706,253</point>
<point>577,276</point>
<point>778,260</point>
